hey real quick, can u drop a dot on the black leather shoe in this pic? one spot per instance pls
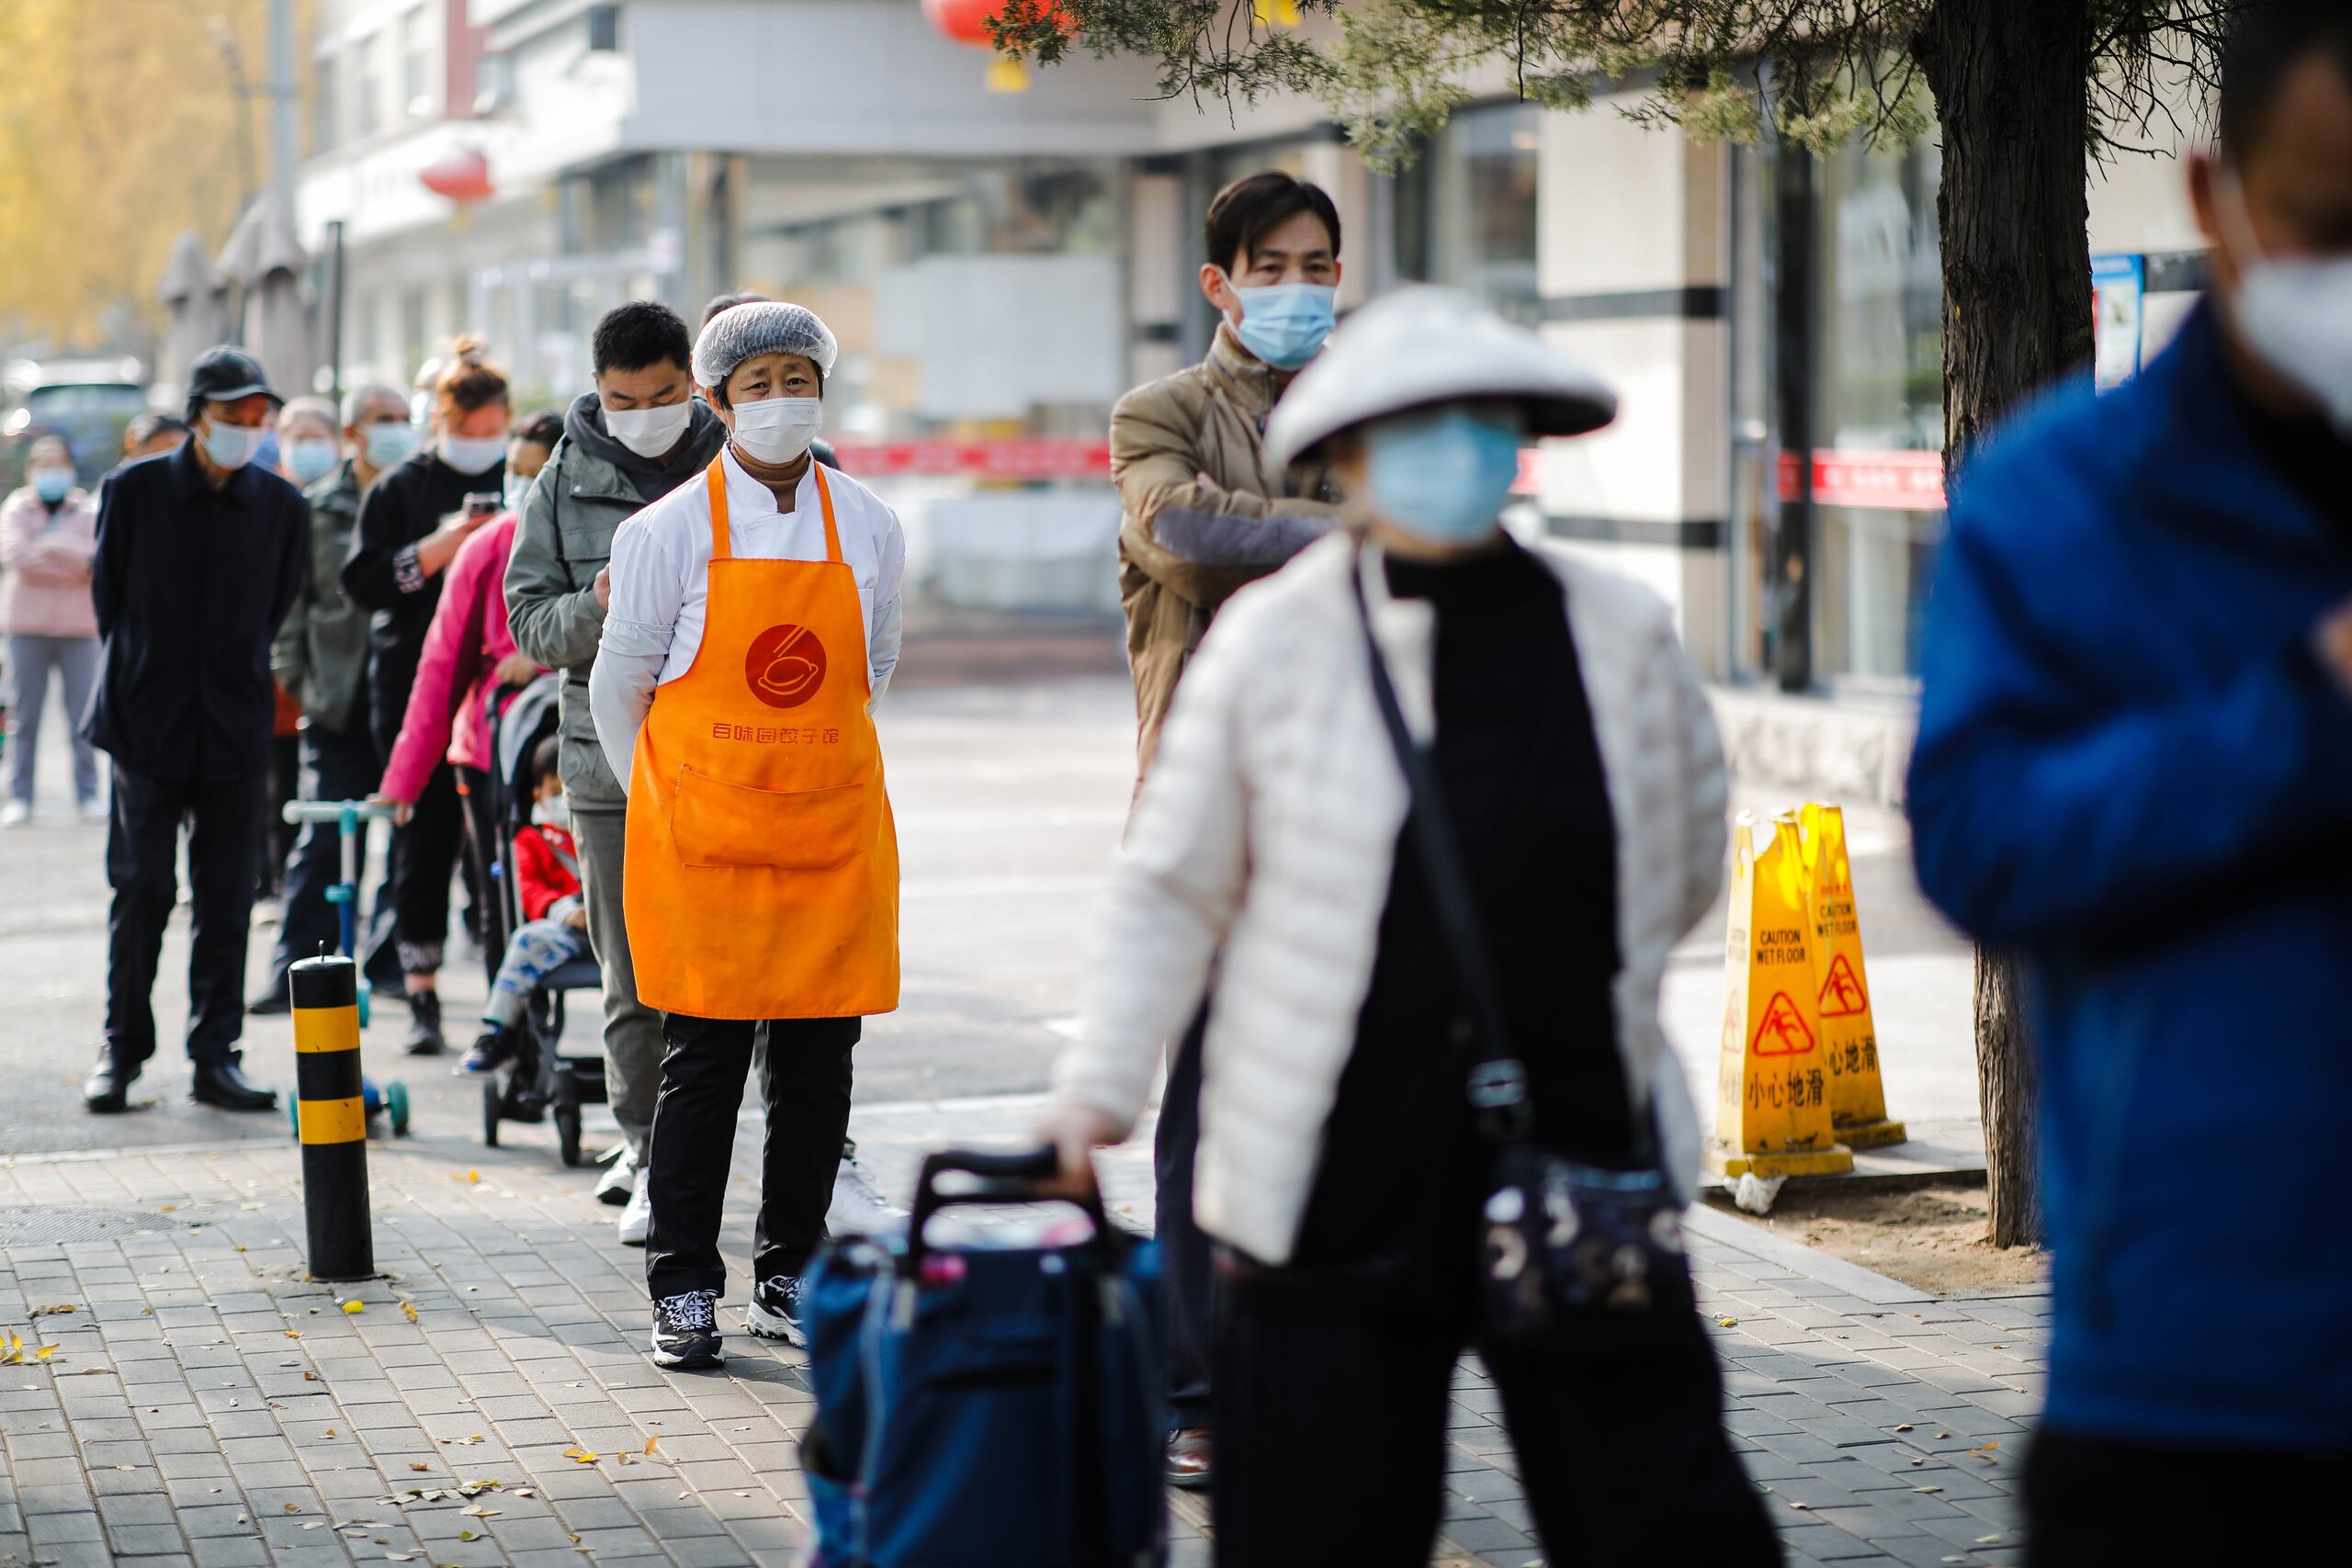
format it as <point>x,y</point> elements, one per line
<point>107,1088</point>
<point>225,1083</point>
<point>271,1003</point>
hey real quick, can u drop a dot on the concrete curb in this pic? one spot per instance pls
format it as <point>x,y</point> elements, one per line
<point>1835,1272</point>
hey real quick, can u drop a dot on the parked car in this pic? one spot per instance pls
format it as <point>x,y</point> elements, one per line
<point>88,402</point>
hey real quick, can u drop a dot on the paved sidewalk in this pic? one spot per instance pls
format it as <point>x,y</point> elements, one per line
<point>204,1404</point>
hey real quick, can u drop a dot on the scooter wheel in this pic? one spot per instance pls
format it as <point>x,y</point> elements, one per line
<point>396,1104</point>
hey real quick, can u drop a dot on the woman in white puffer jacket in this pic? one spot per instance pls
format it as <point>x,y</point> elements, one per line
<point>1267,866</point>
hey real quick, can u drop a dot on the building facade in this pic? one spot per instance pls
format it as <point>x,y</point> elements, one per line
<point>1003,251</point>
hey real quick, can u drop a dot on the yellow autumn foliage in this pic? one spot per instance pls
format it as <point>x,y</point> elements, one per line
<point>119,129</point>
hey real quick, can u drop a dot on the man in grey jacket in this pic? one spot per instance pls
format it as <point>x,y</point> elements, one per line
<point>634,439</point>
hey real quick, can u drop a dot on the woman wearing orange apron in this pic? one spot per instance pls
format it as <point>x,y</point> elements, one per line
<point>754,618</point>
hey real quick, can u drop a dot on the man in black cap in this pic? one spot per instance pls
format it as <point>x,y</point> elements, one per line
<point>200,552</point>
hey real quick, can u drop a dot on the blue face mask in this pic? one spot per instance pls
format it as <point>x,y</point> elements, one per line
<point>310,458</point>
<point>53,484</point>
<point>231,446</point>
<point>1443,473</point>
<point>389,444</point>
<point>1284,323</point>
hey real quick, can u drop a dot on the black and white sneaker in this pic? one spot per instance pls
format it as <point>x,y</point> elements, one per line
<point>775,1312</point>
<point>685,1330</point>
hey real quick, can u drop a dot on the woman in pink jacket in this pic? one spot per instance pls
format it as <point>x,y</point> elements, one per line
<point>469,653</point>
<point>49,532</point>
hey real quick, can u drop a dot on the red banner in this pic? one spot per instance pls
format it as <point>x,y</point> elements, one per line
<point>1018,457</point>
<point>1901,481</point>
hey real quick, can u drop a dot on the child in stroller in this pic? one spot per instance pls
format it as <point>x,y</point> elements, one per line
<point>555,921</point>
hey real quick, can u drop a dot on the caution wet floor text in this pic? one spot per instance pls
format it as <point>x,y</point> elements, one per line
<point>1772,1104</point>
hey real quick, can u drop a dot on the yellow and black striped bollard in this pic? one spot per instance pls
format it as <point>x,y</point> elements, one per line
<point>331,1117</point>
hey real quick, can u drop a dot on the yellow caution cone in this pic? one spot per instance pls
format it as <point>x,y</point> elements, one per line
<point>1772,1079</point>
<point>1856,1097</point>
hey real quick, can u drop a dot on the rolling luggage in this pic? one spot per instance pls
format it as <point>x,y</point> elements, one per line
<point>992,1402</point>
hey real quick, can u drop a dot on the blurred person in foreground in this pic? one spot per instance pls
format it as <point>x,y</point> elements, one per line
<point>151,435</point>
<point>412,523</point>
<point>470,654</point>
<point>1344,1168</point>
<point>1204,511</point>
<point>49,532</point>
<point>754,622</point>
<point>308,450</point>
<point>200,554</point>
<point>320,657</point>
<point>2134,772</point>
<point>636,436</point>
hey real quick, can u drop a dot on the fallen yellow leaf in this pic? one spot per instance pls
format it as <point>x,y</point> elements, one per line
<point>467,1535</point>
<point>44,1353</point>
<point>1726,1322</point>
<point>355,1306</point>
<point>651,1440</point>
<point>420,1467</point>
<point>578,1455</point>
<point>409,1307</point>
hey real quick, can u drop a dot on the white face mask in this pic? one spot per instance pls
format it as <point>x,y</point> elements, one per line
<point>473,454</point>
<point>233,446</point>
<point>555,811</point>
<point>2295,312</point>
<point>778,430</point>
<point>650,433</point>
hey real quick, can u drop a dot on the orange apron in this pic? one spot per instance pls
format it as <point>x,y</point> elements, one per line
<point>762,878</point>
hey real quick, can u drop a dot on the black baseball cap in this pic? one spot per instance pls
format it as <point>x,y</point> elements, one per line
<point>223,374</point>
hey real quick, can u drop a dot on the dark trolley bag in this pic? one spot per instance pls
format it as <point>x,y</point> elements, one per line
<point>992,1403</point>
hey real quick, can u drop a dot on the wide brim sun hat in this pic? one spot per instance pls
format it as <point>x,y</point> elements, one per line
<point>1425,345</point>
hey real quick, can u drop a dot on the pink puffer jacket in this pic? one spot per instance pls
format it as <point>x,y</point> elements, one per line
<point>45,565</point>
<point>462,648</point>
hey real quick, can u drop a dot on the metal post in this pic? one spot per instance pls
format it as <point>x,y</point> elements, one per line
<point>334,314</point>
<point>331,1117</point>
<point>1795,350</point>
<point>284,100</point>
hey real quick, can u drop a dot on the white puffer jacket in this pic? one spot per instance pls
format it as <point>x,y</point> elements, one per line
<point>1265,835</point>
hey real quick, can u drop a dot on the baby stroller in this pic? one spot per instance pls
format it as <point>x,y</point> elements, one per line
<point>539,1078</point>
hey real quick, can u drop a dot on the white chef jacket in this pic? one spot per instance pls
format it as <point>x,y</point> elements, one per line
<point>660,568</point>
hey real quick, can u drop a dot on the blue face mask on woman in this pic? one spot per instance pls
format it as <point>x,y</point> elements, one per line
<point>1284,323</point>
<point>52,485</point>
<point>1443,473</point>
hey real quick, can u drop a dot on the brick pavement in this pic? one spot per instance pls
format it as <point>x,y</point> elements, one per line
<point>207,1406</point>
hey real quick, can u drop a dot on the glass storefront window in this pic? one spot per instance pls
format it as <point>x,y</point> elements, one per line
<point>1878,408</point>
<point>1466,212</point>
<point>972,300</point>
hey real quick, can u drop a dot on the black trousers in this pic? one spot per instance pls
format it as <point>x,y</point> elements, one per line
<point>704,1066</point>
<point>277,834</point>
<point>1331,1408</point>
<point>1186,1260</point>
<point>223,819</point>
<point>487,911</point>
<point>2097,1502</point>
<point>336,765</point>
<point>425,856</point>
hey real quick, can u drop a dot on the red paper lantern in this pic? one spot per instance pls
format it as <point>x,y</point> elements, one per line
<point>461,174</point>
<point>966,21</point>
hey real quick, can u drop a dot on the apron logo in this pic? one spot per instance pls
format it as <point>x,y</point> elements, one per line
<point>786,666</point>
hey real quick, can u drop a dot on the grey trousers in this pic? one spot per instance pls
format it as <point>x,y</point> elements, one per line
<point>632,1030</point>
<point>30,659</point>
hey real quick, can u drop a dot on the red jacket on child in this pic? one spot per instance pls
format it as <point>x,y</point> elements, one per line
<point>547,867</point>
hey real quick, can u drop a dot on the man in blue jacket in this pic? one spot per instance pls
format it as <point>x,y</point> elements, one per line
<point>2135,771</point>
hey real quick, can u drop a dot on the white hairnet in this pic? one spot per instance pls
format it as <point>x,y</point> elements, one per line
<point>767,326</point>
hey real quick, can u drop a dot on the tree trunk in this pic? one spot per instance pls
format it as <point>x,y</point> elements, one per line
<point>2009,83</point>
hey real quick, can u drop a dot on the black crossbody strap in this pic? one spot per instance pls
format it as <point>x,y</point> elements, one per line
<point>1497,1081</point>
